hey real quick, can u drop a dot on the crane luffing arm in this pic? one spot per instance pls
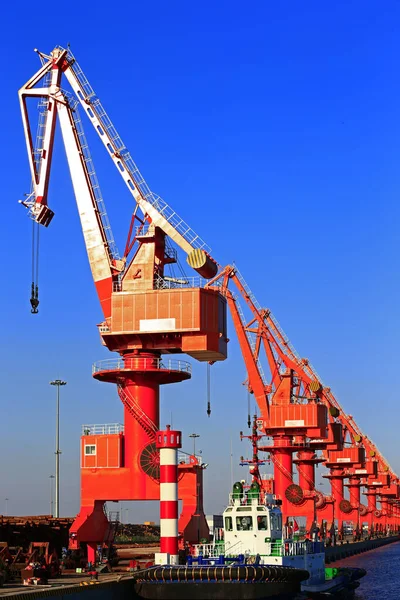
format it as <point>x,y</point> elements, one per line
<point>40,159</point>
<point>256,383</point>
<point>101,258</point>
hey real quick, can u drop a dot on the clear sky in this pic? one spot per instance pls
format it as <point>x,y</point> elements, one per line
<point>273,129</point>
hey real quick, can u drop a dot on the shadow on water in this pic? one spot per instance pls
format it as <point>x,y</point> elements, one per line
<point>382,581</point>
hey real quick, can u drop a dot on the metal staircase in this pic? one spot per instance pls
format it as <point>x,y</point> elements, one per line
<point>110,535</point>
<point>144,421</point>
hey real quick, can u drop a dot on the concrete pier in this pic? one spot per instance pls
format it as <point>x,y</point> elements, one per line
<point>333,553</point>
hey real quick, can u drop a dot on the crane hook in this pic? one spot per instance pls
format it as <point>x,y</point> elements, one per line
<point>34,299</point>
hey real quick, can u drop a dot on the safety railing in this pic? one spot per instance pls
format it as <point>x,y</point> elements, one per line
<point>102,429</point>
<point>185,457</point>
<point>170,283</point>
<point>88,96</point>
<point>162,283</point>
<point>141,364</point>
<point>208,550</point>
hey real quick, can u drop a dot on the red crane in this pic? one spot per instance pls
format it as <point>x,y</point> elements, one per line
<point>147,314</point>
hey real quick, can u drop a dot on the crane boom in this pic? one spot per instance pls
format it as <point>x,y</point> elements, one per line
<point>154,208</point>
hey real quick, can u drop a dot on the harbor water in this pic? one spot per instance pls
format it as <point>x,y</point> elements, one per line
<point>382,581</point>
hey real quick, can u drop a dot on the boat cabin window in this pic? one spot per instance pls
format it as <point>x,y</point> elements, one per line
<point>228,524</point>
<point>244,523</point>
<point>244,509</point>
<point>228,510</point>
<point>262,523</point>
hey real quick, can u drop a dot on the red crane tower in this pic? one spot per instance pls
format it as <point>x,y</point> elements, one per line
<point>147,315</point>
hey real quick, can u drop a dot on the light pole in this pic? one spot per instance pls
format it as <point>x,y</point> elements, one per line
<point>194,436</point>
<point>6,500</point>
<point>51,477</point>
<point>57,382</point>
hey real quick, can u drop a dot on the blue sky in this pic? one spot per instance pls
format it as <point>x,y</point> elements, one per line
<point>273,130</point>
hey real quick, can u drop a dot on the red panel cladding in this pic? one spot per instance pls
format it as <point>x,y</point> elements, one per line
<point>101,451</point>
<point>369,468</point>
<point>299,416</point>
<point>347,456</point>
<point>384,478</point>
<point>391,490</point>
<point>189,320</point>
<point>193,309</point>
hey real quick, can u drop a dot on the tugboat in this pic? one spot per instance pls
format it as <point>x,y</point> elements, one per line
<point>253,558</point>
<point>253,535</point>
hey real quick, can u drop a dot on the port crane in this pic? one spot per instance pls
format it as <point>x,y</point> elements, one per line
<point>147,315</point>
<point>284,404</point>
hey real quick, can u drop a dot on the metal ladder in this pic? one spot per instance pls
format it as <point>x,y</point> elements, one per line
<point>112,530</point>
<point>161,206</point>
<point>91,174</point>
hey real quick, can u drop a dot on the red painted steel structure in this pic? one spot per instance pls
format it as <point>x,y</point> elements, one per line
<point>146,316</point>
<point>304,419</point>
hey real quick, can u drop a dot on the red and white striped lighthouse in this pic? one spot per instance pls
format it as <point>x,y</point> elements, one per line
<point>168,442</point>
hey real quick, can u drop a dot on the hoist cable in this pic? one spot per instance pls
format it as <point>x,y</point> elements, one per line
<point>34,300</point>
<point>37,254</point>
<point>33,251</point>
<point>208,389</point>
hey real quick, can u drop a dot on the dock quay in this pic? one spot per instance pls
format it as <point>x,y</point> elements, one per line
<point>108,587</point>
<point>334,553</point>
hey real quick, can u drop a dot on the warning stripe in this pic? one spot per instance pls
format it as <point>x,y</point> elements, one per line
<point>169,509</point>
<point>168,473</point>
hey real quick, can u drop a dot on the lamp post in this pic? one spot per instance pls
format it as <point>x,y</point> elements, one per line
<point>51,477</point>
<point>6,501</point>
<point>57,382</point>
<point>194,436</point>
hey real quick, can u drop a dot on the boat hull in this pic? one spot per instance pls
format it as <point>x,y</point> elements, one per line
<point>217,591</point>
<point>233,582</point>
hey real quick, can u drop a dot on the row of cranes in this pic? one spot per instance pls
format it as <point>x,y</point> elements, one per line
<point>151,319</point>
